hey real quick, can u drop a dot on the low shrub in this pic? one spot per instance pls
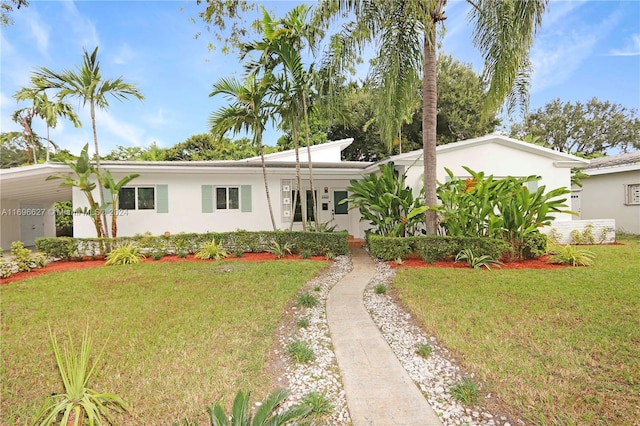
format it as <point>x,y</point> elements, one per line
<point>433,248</point>
<point>424,350</point>
<point>319,403</point>
<point>299,351</point>
<point>126,254</point>
<point>571,255</point>
<point>466,391</point>
<point>211,250</point>
<point>63,248</point>
<point>379,289</point>
<point>307,300</point>
<point>475,262</point>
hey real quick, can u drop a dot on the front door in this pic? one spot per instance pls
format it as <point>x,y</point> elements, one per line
<point>330,211</point>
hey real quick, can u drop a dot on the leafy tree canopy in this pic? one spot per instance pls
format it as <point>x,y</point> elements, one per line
<point>588,129</point>
<point>6,7</point>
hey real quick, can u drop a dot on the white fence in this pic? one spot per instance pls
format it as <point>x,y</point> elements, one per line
<point>595,231</point>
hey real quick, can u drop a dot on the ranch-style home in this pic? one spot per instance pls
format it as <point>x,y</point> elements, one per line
<point>612,191</point>
<point>228,195</point>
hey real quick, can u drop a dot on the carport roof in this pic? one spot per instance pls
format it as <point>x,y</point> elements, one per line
<point>29,185</point>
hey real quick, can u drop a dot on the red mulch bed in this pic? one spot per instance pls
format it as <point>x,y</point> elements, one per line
<point>540,263</point>
<point>71,265</point>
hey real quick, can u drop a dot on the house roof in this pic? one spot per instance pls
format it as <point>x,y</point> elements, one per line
<point>615,164</point>
<point>329,149</point>
<point>561,159</point>
<point>28,184</point>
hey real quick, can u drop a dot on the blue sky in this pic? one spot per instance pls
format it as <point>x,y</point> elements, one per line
<point>584,49</point>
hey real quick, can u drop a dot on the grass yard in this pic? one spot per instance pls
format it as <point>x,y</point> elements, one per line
<point>558,347</point>
<point>181,335</point>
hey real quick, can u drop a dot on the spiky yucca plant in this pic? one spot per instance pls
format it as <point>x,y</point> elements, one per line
<point>78,402</point>
<point>126,254</point>
<point>211,250</point>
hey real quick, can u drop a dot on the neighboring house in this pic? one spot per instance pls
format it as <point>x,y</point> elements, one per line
<point>612,191</point>
<point>228,195</point>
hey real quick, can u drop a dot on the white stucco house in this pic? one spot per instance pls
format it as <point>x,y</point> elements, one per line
<point>228,195</point>
<point>612,191</point>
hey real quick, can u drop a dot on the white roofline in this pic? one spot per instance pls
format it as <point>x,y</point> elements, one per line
<point>562,159</point>
<point>343,143</point>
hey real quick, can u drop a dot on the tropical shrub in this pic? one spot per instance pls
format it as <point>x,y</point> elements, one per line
<point>475,262</point>
<point>63,248</point>
<point>126,254</point>
<point>78,402</point>
<point>280,250</point>
<point>482,206</point>
<point>8,267</point>
<point>266,415</point>
<point>388,203</point>
<point>211,250</point>
<point>571,255</point>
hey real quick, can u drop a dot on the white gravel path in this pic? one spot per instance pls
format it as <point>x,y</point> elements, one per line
<point>434,375</point>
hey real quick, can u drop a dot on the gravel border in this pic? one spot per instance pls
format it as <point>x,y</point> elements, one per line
<point>434,375</point>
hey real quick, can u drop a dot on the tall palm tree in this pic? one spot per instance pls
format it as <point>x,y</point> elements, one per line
<point>404,31</point>
<point>249,112</point>
<point>86,83</point>
<point>280,48</point>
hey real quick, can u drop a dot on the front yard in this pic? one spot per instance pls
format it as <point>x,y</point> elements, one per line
<point>556,346</point>
<point>181,335</point>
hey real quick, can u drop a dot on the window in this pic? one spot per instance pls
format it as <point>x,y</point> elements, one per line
<point>338,196</point>
<point>137,198</point>
<point>228,198</point>
<point>297,216</point>
<point>632,194</point>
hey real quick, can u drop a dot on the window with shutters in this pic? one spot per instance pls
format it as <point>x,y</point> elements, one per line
<point>632,194</point>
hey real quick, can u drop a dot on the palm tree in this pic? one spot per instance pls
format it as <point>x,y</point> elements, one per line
<point>405,32</point>
<point>249,112</point>
<point>47,110</point>
<point>280,50</point>
<point>87,84</point>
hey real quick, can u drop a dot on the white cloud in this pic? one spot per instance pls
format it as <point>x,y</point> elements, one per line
<point>117,127</point>
<point>631,49</point>
<point>40,33</point>
<point>560,50</point>
<point>124,55</point>
<point>157,119</point>
<point>81,27</point>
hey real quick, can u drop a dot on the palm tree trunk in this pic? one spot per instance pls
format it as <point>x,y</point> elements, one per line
<point>296,146</point>
<point>100,189</point>
<point>429,122</point>
<point>313,194</point>
<point>266,184</point>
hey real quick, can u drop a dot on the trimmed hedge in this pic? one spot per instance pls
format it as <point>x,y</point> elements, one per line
<point>316,243</point>
<point>433,248</point>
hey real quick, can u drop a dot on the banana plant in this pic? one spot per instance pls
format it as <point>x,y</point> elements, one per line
<point>83,170</point>
<point>109,183</point>
<point>387,202</point>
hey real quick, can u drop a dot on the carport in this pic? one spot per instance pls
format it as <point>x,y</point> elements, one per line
<point>27,202</point>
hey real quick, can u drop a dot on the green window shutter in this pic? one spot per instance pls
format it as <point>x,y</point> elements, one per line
<point>162,198</point>
<point>207,199</point>
<point>245,198</point>
<point>106,193</point>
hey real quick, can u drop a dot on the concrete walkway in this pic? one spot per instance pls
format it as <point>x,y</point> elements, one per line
<point>379,391</point>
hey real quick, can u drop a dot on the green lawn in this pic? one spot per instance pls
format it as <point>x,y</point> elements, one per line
<point>556,346</point>
<point>181,335</point>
